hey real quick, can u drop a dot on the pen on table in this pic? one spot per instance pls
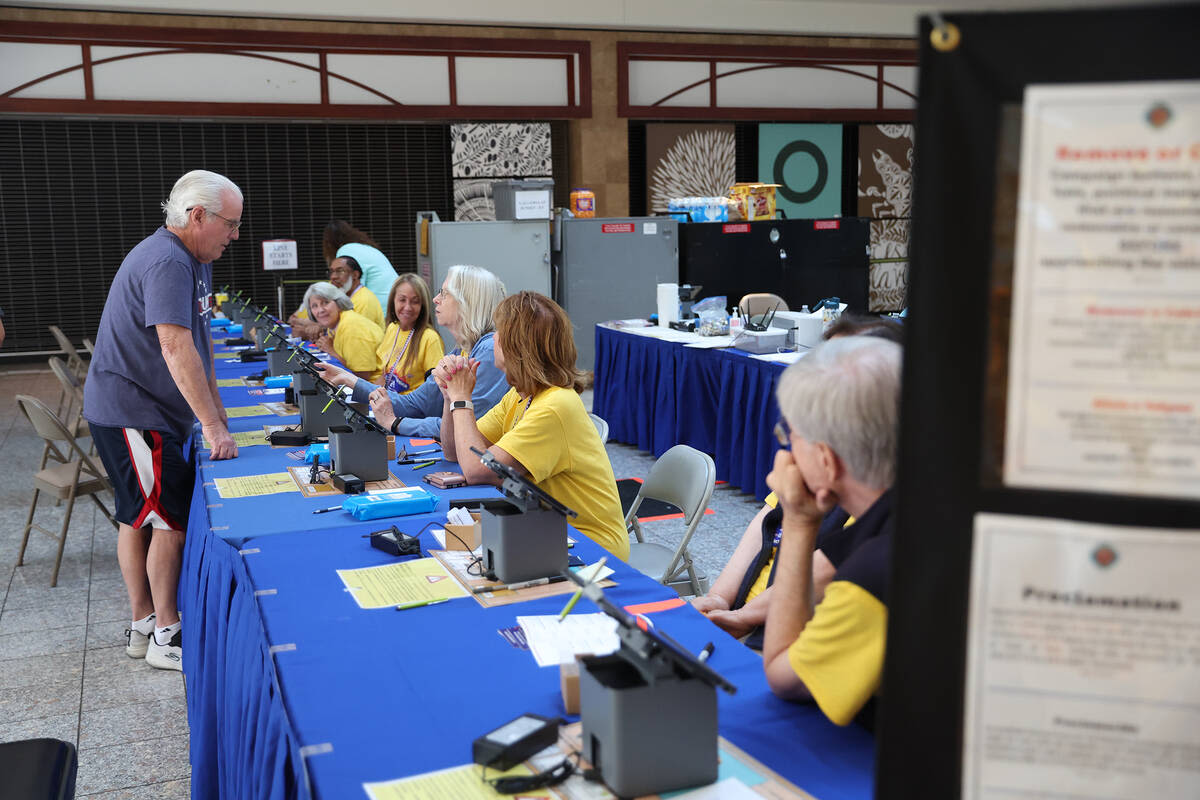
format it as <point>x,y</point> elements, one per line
<point>327,510</point>
<point>706,652</point>
<point>424,464</point>
<point>420,603</point>
<point>595,568</point>
<point>512,587</point>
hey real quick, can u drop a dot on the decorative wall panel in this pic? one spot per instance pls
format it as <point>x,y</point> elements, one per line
<point>885,168</point>
<point>889,265</point>
<point>485,152</point>
<point>806,162</point>
<point>885,163</point>
<point>688,161</point>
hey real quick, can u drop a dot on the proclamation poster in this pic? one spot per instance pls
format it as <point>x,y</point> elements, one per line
<point>1104,359</point>
<point>1083,656</point>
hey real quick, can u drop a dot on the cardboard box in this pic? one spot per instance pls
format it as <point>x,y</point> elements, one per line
<point>468,533</point>
<point>753,200</point>
<point>568,680</point>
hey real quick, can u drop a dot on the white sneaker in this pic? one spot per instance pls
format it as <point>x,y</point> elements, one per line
<point>166,656</point>
<point>136,642</point>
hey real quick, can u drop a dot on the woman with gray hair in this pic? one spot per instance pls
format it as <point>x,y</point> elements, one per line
<point>354,340</point>
<point>463,307</point>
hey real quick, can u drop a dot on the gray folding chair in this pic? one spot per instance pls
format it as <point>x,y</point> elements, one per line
<point>683,477</point>
<point>74,360</point>
<point>601,426</point>
<point>74,474</point>
<point>72,412</point>
<point>87,345</point>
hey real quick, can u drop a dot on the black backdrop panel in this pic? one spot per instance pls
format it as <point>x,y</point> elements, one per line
<point>819,262</point>
<point>960,283</point>
<point>76,195</point>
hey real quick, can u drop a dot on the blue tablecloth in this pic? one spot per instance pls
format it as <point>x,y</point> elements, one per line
<point>295,692</point>
<point>655,394</point>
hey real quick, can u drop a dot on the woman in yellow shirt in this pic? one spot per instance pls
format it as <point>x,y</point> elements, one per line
<point>410,346</point>
<point>540,427</point>
<point>349,336</point>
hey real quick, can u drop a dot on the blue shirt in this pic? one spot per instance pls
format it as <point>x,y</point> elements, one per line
<point>421,409</point>
<point>128,384</point>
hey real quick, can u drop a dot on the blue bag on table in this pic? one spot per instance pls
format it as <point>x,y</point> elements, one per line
<point>219,322</point>
<point>396,503</point>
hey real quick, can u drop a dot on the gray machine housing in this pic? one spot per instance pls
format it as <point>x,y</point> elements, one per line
<point>522,545</point>
<point>646,734</point>
<point>517,252</point>
<point>357,451</point>
<point>277,361</point>
<point>317,413</point>
<point>610,268</point>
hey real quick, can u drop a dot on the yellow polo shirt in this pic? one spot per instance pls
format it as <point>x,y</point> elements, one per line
<point>554,439</point>
<point>429,352</point>
<point>367,304</point>
<point>356,344</point>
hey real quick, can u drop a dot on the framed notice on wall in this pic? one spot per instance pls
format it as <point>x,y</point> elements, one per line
<point>1042,616</point>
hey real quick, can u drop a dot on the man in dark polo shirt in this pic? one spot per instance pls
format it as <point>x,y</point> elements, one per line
<point>150,379</point>
<point>840,408</point>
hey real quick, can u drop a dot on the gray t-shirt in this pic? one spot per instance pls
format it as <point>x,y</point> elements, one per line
<point>128,384</point>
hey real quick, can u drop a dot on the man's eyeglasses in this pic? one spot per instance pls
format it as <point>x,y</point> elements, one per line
<point>783,433</point>
<point>232,224</point>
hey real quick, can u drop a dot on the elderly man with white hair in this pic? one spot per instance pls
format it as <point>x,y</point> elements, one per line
<point>839,428</point>
<point>150,379</point>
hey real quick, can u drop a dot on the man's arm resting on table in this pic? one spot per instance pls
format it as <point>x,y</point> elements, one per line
<point>187,370</point>
<point>791,606</point>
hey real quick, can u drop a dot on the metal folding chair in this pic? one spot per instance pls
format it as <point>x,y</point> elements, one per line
<point>683,477</point>
<point>72,391</point>
<point>67,479</point>
<point>601,426</point>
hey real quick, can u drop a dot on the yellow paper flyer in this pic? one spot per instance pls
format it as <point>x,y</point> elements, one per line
<point>255,485</point>
<point>423,579</point>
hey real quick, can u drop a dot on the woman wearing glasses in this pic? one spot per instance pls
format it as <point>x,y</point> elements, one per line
<point>540,428</point>
<point>410,346</point>
<point>349,336</point>
<point>463,307</point>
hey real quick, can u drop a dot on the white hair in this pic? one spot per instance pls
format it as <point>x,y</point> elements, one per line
<point>328,291</point>
<point>478,292</point>
<point>846,393</point>
<point>197,188</point>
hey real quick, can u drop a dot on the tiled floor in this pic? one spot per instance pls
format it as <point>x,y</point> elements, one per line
<point>63,670</point>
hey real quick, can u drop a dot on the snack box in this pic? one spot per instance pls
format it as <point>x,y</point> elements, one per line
<point>753,201</point>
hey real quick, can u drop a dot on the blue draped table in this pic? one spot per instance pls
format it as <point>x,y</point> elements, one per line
<point>656,394</point>
<point>295,692</point>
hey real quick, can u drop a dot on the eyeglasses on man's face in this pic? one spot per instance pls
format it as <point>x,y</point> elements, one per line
<point>232,224</point>
<point>783,433</point>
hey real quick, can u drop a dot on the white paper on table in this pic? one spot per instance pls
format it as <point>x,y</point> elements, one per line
<point>553,642</point>
<point>782,358</point>
<point>728,789</point>
<point>1103,367</point>
<point>1083,655</point>
<point>711,342</point>
<point>665,334</point>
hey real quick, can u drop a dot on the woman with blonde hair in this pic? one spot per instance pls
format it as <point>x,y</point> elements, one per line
<point>348,335</point>
<point>464,307</point>
<point>540,427</point>
<point>410,346</point>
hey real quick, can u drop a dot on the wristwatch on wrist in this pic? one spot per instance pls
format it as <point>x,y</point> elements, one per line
<point>395,423</point>
<point>455,405</point>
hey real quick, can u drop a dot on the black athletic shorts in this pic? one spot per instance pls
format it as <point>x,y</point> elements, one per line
<point>150,476</point>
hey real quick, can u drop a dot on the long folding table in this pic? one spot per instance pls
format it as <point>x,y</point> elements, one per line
<point>295,692</point>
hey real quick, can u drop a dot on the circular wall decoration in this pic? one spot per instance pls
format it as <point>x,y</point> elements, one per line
<point>818,186</point>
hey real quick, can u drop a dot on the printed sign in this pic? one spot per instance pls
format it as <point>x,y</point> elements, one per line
<point>531,204</point>
<point>280,254</point>
<point>617,227</point>
<point>741,228</point>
